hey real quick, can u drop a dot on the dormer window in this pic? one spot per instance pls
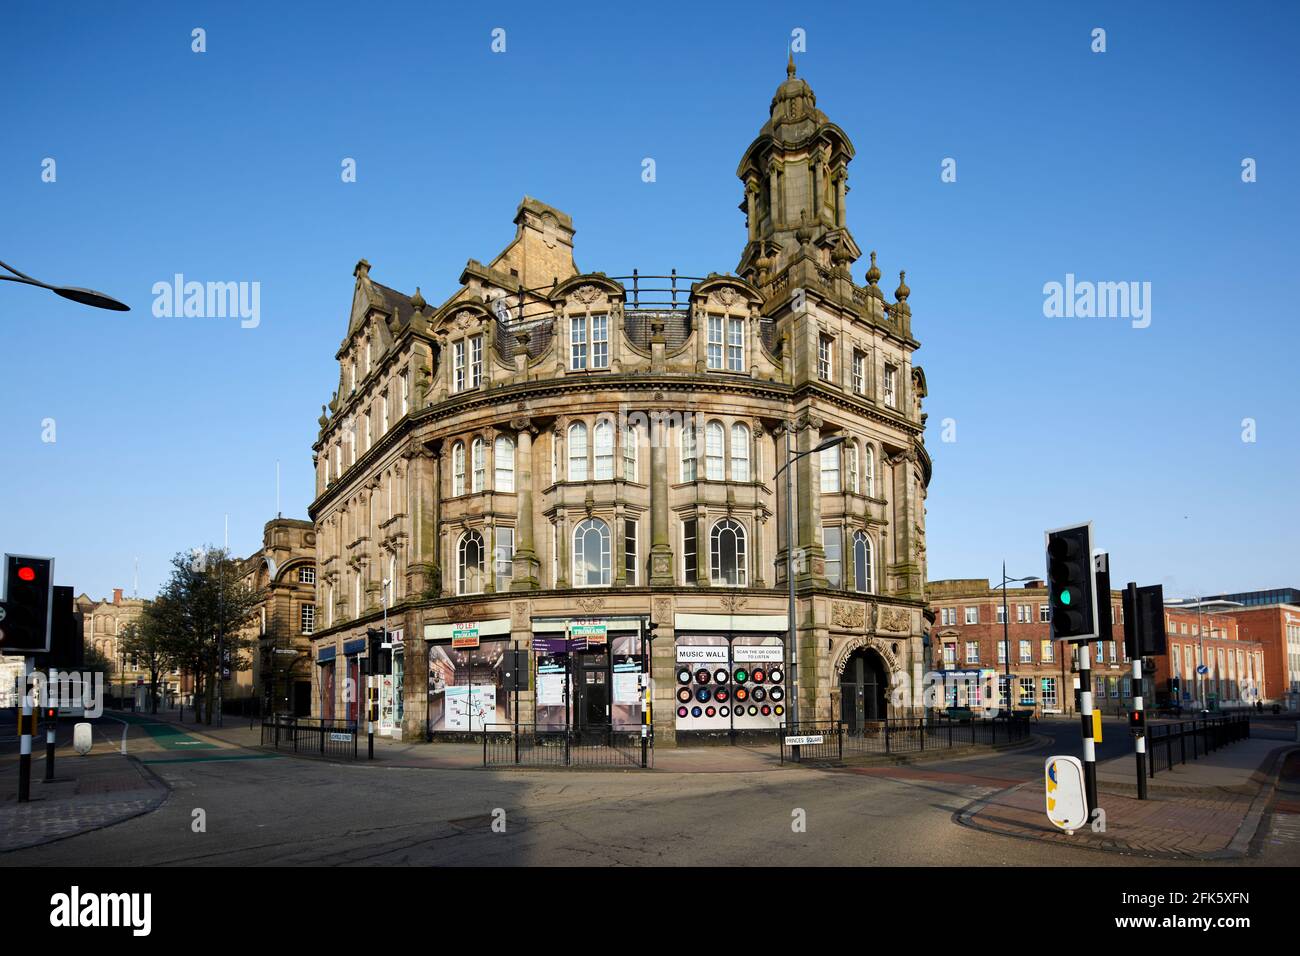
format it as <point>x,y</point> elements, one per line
<point>729,353</point>
<point>475,361</point>
<point>458,366</point>
<point>588,342</point>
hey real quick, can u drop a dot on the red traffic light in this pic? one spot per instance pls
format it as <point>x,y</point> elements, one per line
<point>27,573</point>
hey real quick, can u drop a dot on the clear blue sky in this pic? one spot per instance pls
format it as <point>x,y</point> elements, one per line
<point>225,166</point>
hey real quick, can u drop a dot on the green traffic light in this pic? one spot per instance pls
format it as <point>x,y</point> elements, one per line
<point>1065,597</point>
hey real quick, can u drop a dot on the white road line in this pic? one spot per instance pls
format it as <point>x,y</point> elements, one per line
<point>125,728</point>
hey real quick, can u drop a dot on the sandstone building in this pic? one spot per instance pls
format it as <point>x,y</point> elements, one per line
<point>559,460</point>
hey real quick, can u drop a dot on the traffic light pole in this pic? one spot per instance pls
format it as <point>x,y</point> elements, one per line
<point>1089,749</point>
<point>50,731</point>
<point>1136,646</point>
<point>25,722</point>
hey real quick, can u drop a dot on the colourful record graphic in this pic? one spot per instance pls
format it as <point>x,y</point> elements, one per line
<point>724,711</point>
<point>683,676</point>
<point>741,694</point>
<point>759,675</point>
<point>776,693</point>
<point>703,695</point>
<point>741,675</point>
<point>720,676</point>
<point>682,711</point>
<point>684,695</point>
<point>776,676</point>
<point>702,676</point>
<point>765,710</point>
<point>760,694</point>
<point>696,711</point>
<point>709,712</point>
<point>721,694</point>
<point>753,711</point>
<point>779,709</point>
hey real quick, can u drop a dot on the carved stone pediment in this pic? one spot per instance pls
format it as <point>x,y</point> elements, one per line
<point>894,619</point>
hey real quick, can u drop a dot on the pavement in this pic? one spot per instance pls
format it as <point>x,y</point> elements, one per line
<point>1208,809</point>
<point>436,804</point>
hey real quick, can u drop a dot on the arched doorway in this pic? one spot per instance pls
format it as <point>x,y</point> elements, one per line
<point>864,690</point>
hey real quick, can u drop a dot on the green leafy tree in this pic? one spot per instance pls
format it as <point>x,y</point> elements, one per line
<point>201,612</point>
<point>145,642</point>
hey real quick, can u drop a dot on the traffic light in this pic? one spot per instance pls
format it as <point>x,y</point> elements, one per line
<point>1072,591</point>
<point>27,609</point>
<point>1137,722</point>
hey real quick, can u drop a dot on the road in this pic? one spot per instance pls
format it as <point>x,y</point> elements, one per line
<point>285,811</point>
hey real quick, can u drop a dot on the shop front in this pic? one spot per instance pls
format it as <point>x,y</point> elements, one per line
<point>730,676</point>
<point>325,665</point>
<point>590,675</point>
<point>466,685</point>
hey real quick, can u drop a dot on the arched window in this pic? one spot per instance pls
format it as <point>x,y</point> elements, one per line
<point>688,452</point>
<point>591,562</point>
<point>830,469</point>
<point>739,452</point>
<point>631,443</point>
<point>578,452</point>
<point>504,454</point>
<point>604,450</point>
<point>863,572</point>
<point>469,564</point>
<point>851,464</point>
<point>713,435</point>
<point>480,464</point>
<point>458,469</point>
<point>727,553</point>
<point>869,472</point>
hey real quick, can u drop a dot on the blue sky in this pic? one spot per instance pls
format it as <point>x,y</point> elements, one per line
<point>224,166</point>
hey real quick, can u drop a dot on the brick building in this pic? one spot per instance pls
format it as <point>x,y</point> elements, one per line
<point>1235,662</point>
<point>967,643</point>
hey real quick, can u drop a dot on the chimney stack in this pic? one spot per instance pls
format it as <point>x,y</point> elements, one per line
<point>117,595</point>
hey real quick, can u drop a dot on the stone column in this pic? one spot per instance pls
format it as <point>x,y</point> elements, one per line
<point>415,677</point>
<point>808,506</point>
<point>525,561</point>
<point>661,551</point>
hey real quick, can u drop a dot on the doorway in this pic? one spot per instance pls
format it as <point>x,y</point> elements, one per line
<point>864,689</point>
<point>302,698</point>
<point>591,678</point>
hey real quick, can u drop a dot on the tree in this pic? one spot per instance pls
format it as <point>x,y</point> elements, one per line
<point>201,611</point>
<point>145,642</point>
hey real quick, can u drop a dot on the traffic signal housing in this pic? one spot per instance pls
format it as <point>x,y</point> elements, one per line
<point>1071,588</point>
<point>27,609</point>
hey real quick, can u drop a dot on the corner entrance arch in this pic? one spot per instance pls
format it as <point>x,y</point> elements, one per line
<point>864,689</point>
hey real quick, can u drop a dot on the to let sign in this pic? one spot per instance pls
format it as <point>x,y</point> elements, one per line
<point>464,634</point>
<point>593,632</point>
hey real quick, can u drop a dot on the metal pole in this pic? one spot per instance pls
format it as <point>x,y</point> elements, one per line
<point>791,655</point>
<point>1200,634</point>
<point>1089,749</point>
<point>1006,642</point>
<point>50,732</point>
<point>1141,742</point>
<point>25,730</point>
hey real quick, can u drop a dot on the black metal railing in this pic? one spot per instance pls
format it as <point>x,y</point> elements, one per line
<point>1176,742</point>
<point>310,736</point>
<point>627,747</point>
<point>898,735</point>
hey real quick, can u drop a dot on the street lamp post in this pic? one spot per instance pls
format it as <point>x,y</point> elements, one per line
<point>84,296</point>
<point>1006,632</point>
<point>791,656</point>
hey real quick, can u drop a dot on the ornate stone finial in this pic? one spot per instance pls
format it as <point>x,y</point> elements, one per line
<point>902,292</point>
<point>789,67</point>
<point>805,231</point>
<point>324,418</point>
<point>873,273</point>
<point>417,301</point>
<point>362,270</point>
